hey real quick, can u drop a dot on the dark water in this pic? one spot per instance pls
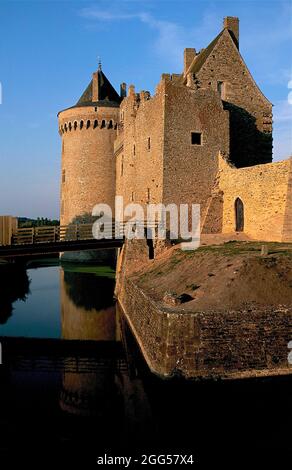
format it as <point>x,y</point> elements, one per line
<point>84,390</point>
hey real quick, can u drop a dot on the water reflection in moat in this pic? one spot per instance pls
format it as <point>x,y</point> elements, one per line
<point>99,396</point>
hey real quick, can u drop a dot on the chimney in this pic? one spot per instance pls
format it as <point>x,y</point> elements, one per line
<point>132,91</point>
<point>232,24</point>
<point>95,86</point>
<point>123,92</point>
<point>189,55</point>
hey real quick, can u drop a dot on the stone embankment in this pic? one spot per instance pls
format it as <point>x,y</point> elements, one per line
<point>241,334</point>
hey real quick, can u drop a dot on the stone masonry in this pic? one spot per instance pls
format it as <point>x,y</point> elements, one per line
<point>165,148</point>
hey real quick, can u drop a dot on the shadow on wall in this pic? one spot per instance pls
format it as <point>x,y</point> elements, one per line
<point>14,285</point>
<point>248,145</point>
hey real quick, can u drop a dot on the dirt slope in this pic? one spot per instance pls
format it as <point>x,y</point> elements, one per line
<point>231,276</point>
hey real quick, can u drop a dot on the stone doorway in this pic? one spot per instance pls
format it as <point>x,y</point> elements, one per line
<point>239,215</point>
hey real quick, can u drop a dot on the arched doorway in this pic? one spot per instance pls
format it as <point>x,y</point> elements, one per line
<point>239,215</point>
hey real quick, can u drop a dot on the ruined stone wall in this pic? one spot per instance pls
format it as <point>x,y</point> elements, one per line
<point>88,165</point>
<point>190,170</point>
<point>250,111</point>
<point>266,193</point>
<point>225,344</point>
<point>139,148</point>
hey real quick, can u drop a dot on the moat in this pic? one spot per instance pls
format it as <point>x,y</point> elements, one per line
<point>98,396</point>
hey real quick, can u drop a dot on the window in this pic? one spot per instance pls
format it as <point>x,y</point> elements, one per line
<point>63,176</point>
<point>149,143</point>
<point>134,150</point>
<point>88,124</point>
<point>122,166</point>
<point>132,196</point>
<point>148,195</point>
<point>220,89</point>
<point>196,138</point>
<point>95,124</point>
<point>81,124</point>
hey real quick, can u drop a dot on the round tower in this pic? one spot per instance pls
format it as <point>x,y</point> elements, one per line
<point>88,130</point>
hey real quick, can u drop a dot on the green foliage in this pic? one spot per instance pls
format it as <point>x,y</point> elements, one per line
<point>24,222</point>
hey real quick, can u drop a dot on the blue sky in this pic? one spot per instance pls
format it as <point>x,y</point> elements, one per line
<point>48,50</point>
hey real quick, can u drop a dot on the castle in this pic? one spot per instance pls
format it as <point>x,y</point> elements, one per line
<point>205,137</point>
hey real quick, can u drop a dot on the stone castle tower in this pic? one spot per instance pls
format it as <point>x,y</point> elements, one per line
<point>170,148</point>
<point>88,131</point>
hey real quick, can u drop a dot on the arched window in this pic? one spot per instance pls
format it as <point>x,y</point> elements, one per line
<point>95,124</point>
<point>75,125</point>
<point>239,215</point>
<point>65,127</point>
<point>110,124</point>
<point>88,124</point>
<point>81,124</point>
<point>102,124</point>
<point>70,126</point>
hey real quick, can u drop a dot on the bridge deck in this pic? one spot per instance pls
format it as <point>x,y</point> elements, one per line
<point>56,239</point>
<point>8,251</point>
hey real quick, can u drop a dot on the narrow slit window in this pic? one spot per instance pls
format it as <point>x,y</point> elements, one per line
<point>148,195</point>
<point>122,166</point>
<point>149,143</point>
<point>220,89</point>
<point>196,138</point>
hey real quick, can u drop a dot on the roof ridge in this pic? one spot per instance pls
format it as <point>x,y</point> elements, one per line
<point>201,58</point>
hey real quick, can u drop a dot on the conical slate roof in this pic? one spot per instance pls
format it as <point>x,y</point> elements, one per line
<point>105,95</point>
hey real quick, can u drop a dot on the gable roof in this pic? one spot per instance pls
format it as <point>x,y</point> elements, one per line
<point>199,60</point>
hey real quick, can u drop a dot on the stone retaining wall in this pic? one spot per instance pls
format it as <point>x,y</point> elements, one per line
<point>208,344</point>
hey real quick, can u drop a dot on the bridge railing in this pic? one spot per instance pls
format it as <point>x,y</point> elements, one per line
<point>52,234</point>
<point>75,232</point>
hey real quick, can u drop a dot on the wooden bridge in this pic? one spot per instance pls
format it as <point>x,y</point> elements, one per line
<point>56,239</point>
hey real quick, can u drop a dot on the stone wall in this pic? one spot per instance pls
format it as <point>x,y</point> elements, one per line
<point>88,165</point>
<point>250,110</point>
<point>156,161</point>
<point>266,193</point>
<point>139,148</point>
<point>189,170</point>
<point>214,344</point>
